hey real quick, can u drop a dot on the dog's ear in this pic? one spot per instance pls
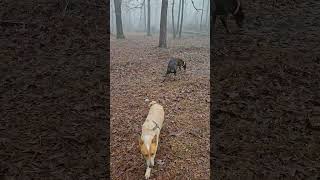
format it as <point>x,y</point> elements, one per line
<point>154,139</point>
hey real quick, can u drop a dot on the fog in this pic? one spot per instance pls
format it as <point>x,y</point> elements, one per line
<point>133,19</point>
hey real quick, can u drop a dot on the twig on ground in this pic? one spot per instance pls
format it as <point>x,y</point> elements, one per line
<point>11,22</point>
<point>176,133</point>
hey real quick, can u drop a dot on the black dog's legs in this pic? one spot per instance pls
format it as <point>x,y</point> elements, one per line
<point>224,22</point>
<point>166,74</point>
<point>175,74</point>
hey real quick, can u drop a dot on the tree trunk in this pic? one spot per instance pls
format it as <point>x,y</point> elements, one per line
<point>163,24</point>
<point>181,22</point>
<point>201,15</point>
<point>178,23</point>
<point>128,13</point>
<point>144,15</point>
<point>173,29</point>
<point>207,11</point>
<point>140,19</point>
<point>148,25</point>
<point>117,8</point>
<point>111,18</point>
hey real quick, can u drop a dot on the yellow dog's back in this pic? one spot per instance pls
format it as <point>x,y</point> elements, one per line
<point>156,113</point>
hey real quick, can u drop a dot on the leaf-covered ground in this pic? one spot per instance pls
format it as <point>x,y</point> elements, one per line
<point>53,90</point>
<point>137,69</point>
<point>266,94</point>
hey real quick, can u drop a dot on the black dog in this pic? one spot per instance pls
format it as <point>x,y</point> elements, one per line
<point>174,64</point>
<point>225,7</point>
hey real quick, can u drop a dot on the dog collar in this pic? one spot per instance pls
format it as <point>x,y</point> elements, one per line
<point>155,126</point>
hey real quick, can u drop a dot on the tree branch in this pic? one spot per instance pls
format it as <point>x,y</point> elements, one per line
<point>195,7</point>
<point>138,6</point>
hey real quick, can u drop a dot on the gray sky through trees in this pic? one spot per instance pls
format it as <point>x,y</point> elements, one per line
<point>133,16</point>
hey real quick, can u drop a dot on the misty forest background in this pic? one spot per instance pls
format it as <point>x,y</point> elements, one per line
<point>141,44</point>
<point>180,17</point>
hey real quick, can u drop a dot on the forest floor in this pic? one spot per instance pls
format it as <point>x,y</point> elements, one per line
<point>266,93</point>
<point>53,89</point>
<point>137,69</point>
<point>264,90</point>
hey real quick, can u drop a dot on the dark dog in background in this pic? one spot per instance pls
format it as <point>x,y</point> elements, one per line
<point>173,65</point>
<point>223,8</point>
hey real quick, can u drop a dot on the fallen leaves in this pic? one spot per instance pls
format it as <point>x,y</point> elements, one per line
<point>264,98</point>
<point>183,97</point>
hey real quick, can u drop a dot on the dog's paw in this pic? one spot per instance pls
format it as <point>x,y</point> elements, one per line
<point>148,172</point>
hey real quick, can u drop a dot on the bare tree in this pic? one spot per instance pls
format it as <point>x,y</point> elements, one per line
<point>144,15</point>
<point>112,25</point>
<point>148,24</point>
<point>181,21</point>
<point>117,8</point>
<point>207,12</point>
<point>140,20</point>
<point>201,15</point>
<point>128,13</point>
<point>173,29</point>
<point>163,24</point>
<point>178,23</point>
